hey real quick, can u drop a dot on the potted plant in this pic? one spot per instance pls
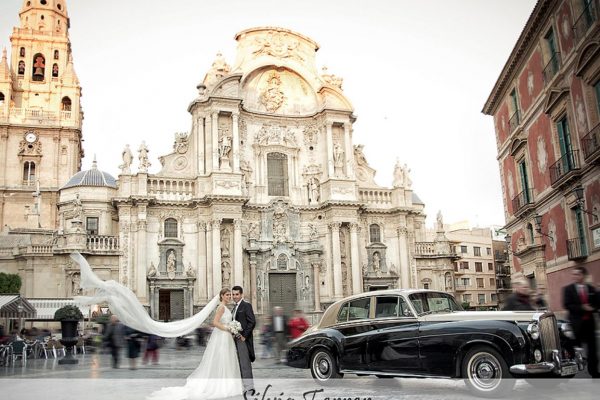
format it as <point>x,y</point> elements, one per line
<point>69,316</point>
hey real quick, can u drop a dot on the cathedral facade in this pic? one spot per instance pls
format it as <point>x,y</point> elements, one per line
<point>267,190</point>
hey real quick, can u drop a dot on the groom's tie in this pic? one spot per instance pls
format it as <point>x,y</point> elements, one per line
<point>236,308</point>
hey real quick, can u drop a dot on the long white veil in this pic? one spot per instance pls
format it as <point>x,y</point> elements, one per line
<point>125,305</point>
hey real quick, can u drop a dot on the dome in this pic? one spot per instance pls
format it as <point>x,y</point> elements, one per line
<point>92,177</point>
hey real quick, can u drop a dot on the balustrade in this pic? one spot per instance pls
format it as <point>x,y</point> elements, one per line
<point>171,189</point>
<point>102,243</point>
<point>375,196</point>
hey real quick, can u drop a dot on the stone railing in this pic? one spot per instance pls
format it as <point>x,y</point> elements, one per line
<point>40,249</point>
<point>425,248</point>
<point>102,243</point>
<point>171,189</point>
<point>27,115</point>
<point>375,196</point>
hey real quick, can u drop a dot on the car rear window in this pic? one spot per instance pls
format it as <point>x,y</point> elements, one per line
<point>359,309</point>
<point>386,307</point>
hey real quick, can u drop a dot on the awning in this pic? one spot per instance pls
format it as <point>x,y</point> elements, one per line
<point>9,307</point>
<point>47,307</point>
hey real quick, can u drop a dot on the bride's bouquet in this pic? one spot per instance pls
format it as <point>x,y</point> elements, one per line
<point>234,327</point>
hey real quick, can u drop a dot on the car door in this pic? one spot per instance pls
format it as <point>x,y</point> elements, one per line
<point>393,346</point>
<point>355,327</point>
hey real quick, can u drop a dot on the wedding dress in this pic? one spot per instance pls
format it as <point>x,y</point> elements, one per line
<point>218,374</point>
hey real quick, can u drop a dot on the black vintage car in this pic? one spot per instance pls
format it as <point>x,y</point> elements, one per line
<point>423,333</point>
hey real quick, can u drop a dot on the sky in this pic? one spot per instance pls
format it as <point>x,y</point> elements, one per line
<point>417,72</point>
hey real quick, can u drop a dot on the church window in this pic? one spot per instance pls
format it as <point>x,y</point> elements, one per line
<point>22,52</point>
<point>170,228</point>
<point>42,17</point>
<point>91,225</point>
<point>21,69</point>
<point>375,233</point>
<point>43,2</point>
<point>66,104</point>
<point>55,71</point>
<point>28,3</point>
<point>39,67</point>
<point>1,98</point>
<point>56,54</point>
<point>29,173</point>
<point>59,7</point>
<point>277,174</point>
<point>282,262</point>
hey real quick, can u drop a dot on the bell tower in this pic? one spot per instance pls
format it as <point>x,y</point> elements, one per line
<point>40,116</point>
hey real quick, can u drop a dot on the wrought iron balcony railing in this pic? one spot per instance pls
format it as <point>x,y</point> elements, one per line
<point>551,68</point>
<point>591,143</point>
<point>576,248</point>
<point>586,19</point>
<point>514,120</point>
<point>502,271</point>
<point>522,199</point>
<point>567,163</point>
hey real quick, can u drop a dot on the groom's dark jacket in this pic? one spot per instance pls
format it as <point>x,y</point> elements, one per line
<point>245,315</point>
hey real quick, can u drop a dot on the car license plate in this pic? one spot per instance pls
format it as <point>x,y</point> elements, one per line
<point>569,370</point>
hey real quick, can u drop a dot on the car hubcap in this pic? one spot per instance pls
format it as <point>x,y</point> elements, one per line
<point>322,366</point>
<point>484,371</point>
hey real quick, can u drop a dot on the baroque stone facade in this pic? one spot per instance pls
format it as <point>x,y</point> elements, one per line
<point>267,191</point>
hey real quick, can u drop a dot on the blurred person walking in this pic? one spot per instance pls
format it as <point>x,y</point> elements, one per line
<point>520,299</point>
<point>280,329</point>
<point>114,337</point>
<point>151,350</point>
<point>134,346</point>
<point>582,300</point>
<point>297,324</point>
<point>266,338</point>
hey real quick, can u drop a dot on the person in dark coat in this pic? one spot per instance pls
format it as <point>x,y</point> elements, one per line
<point>520,299</point>
<point>582,301</point>
<point>114,338</point>
<point>151,351</point>
<point>134,345</point>
<point>244,342</point>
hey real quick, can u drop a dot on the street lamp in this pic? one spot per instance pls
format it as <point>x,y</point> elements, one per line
<point>578,192</point>
<point>538,226</point>
<point>20,312</point>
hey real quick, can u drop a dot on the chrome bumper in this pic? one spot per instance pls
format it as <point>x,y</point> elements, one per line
<point>557,367</point>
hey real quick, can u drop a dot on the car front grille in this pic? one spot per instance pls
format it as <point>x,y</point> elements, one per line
<point>549,336</point>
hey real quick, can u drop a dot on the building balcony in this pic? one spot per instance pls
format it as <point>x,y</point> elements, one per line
<point>460,288</point>
<point>523,202</point>
<point>576,249</point>
<point>102,243</point>
<point>591,145</point>
<point>514,121</point>
<point>460,271</point>
<point>565,169</point>
<point>503,271</point>
<point>551,69</point>
<point>585,20</point>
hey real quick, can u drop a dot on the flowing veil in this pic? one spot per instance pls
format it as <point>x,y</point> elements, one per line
<point>125,305</point>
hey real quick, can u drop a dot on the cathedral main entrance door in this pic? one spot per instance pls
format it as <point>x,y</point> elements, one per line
<point>170,305</point>
<point>282,291</point>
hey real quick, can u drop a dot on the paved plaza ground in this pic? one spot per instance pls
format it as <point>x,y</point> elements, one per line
<point>94,378</point>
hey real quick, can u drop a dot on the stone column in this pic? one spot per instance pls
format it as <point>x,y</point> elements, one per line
<point>235,146</point>
<point>216,250</point>
<point>355,261</point>
<point>201,292</point>
<point>209,261</point>
<point>253,288</point>
<point>329,149</point>
<point>404,258</point>
<point>238,274</point>
<point>336,261</point>
<point>349,152</point>
<point>151,301</point>
<point>215,141</point>
<point>142,260</point>
<point>317,285</point>
<point>208,159</point>
<point>201,146</point>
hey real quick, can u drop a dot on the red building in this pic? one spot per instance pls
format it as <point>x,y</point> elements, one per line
<point>546,109</point>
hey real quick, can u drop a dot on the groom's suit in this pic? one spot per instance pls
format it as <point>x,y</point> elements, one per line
<point>245,316</point>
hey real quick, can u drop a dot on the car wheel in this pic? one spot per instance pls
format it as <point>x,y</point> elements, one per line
<point>323,366</point>
<point>485,373</point>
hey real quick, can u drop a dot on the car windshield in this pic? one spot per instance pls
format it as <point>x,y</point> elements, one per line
<point>433,302</point>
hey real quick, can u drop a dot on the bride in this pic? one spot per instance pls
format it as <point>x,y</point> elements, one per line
<point>218,374</point>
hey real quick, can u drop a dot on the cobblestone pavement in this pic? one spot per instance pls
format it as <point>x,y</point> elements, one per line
<point>93,378</point>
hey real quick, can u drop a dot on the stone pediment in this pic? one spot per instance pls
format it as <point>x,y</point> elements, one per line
<point>178,162</point>
<point>517,144</point>
<point>554,99</point>
<point>588,62</point>
<point>331,98</point>
<point>228,87</point>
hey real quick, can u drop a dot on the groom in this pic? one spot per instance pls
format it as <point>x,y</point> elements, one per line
<point>243,313</point>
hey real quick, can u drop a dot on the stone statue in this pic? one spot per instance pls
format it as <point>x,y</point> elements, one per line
<point>376,262</point>
<point>253,232</point>
<point>76,282</point>
<point>143,157</point>
<point>440,221</point>
<point>225,242</point>
<point>190,271</point>
<point>407,181</point>
<point>338,155</point>
<point>398,175</point>
<point>224,149</point>
<point>313,190</point>
<point>77,208</point>
<point>312,231</point>
<point>151,271</point>
<point>127,160</point>
<point>171,268</point>
<point>359,156</point>
<point>225,273</point>
<point>448,281</point>
<point>279,225</point>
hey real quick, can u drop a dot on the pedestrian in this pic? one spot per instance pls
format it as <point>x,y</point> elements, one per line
<point>280,330</point>
<point>151,351</point>
<point>297,324</point>
<point>520,299</point>
<point>539,302</point>
<point>114,339</point>
<point>134,346</point>
<point>582,300</point>
<point>266,338</point>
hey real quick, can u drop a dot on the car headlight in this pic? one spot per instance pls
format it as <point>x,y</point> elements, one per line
<point>567,330</point>
<point>537,354</point>
<point>534,331</point>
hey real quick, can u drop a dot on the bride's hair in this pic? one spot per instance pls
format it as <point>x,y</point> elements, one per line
<point>222,292</point>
